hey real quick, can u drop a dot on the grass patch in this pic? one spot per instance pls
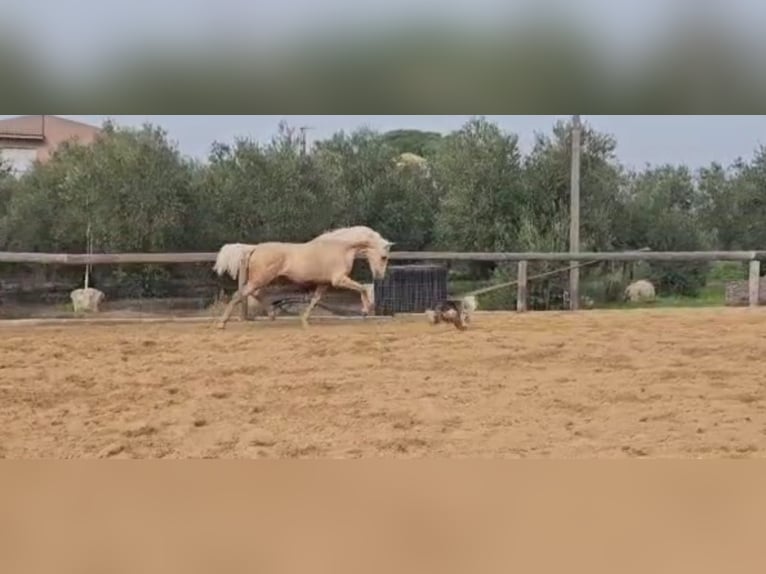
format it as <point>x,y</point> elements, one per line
<point>722,271</point>
<point>712,295</point>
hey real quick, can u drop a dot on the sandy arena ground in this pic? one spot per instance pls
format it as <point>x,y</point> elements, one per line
<point>660,383</point>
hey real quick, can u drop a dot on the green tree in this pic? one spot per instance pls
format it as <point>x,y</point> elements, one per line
<point>422,143</point>
<point>545,227</point>
<point>478,171</point>
<point>134,187</point>
<point>548,179</point>
<point>34,210</point>
<point>720,210</point>
<point>405,206</point>
<point>735,202</point>
<point>663,213</point>
<point>362,163</point>
<point>258,193</point>
<point>6,189</point>
<point>131,187</point>
<point>368,188</point>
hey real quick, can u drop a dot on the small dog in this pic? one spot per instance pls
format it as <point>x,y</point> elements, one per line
<point>455,311</point>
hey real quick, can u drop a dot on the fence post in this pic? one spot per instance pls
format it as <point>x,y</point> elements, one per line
<point>242,281</point>
<point>754,282</point>
<point>521,287</point>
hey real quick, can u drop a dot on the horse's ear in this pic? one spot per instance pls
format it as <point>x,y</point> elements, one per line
<point>389,244</point>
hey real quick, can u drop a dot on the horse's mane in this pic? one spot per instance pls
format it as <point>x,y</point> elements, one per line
<point>355,233</point>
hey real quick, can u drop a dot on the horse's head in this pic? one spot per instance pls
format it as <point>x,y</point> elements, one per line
<point>364,240</point>
<point>377,256</point>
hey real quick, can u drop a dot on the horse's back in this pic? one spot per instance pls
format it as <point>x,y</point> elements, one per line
<point>320,260</point>
<point>271,252</point>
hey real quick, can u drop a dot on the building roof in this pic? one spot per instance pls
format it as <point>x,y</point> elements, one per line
<point>33,127</point>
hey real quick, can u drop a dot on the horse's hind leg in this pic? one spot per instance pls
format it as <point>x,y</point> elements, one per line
<point>250,289</point>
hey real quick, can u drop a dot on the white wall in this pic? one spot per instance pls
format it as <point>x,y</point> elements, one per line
<point>20,159</point>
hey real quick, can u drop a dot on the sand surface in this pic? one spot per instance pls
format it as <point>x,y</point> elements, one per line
<point>606,384</point>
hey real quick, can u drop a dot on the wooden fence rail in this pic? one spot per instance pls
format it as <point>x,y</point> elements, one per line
<point>209,257</point>
<point>753,257</point>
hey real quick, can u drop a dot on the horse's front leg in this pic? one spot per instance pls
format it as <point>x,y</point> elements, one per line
<point>346,282</point>
<point>318,294</point>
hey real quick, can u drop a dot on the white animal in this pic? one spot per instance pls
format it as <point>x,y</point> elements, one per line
<point>639,291</point>
<point>470,305</point>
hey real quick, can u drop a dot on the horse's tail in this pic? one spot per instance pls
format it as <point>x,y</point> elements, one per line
<point>229,258</point>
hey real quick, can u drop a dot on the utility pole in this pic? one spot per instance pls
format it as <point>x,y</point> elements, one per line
<point>574,214</point>
<point>303,130</point>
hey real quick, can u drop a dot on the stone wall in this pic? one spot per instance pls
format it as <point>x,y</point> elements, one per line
<point>737,293</point>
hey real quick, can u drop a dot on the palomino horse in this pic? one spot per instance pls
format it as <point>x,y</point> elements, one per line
<point>324,261</point>
<point>231,254</point>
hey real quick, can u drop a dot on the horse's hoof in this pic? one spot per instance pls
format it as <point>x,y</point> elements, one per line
<point>221,326</point>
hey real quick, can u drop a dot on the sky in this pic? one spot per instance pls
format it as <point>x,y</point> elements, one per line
<point>69,30</point>
<point>695,141</point>
<point>72,35</point>
<point>73,27</point>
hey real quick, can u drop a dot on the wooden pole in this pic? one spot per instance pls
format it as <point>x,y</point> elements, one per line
<point>754,282</point>
<point>241,282</point>
<point>89,247</point>
<point>521,287</point>
<point>574,218</point>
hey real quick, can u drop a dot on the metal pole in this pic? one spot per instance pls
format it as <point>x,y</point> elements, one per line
<point>574,216</point>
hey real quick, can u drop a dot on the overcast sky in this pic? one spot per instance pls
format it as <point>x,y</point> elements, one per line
<point>76,34</point>
<point>692,140</point>
<point>82,31</point>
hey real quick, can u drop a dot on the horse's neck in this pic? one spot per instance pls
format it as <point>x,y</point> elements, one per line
<point>361,248</point>
<point>351,233</point>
